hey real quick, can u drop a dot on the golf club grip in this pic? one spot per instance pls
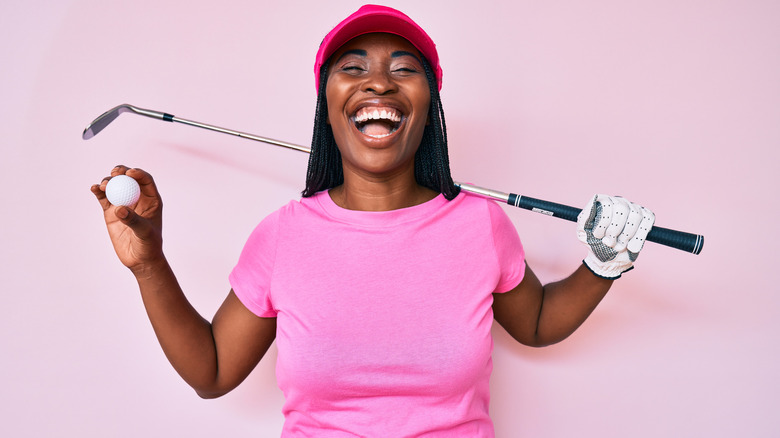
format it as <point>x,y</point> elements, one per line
<point>681,240</point>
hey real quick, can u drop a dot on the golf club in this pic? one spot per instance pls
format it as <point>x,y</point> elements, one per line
<point>681,240</point>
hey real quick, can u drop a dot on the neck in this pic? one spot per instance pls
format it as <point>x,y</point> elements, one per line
<point>376,194</point>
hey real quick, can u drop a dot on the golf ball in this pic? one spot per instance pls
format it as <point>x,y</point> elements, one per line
<point>123,190</point>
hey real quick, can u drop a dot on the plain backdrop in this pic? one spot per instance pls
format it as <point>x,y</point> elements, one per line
<point>674,104</point>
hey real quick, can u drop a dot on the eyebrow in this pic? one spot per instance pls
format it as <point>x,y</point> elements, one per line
<point>396,54</point>
<point>357,52</point>
<point>401,53</point>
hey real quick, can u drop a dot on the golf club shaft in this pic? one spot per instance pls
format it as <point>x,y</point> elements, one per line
<point>688,242</point>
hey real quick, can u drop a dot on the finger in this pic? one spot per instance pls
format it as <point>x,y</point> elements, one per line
<point>141,226</point>
<point>104,183</point>
<point>120,169</point>
<point>620,210</point>
<point>99,190</point>
<point>586,216</point>
<point>100,194</point>
<point>646,224</point>
<point>632,225</point>
<point>603,221</point>
<point>145,181</point>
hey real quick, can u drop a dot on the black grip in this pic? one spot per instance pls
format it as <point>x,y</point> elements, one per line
<point>681,240</point>
<point>544,207</point>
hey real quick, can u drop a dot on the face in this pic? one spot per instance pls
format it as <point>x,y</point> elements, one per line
<point>378,100</point>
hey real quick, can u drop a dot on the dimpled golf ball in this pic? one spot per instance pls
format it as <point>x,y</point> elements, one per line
<point>123,190</point>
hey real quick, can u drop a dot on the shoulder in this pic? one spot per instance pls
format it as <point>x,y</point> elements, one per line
<point>296,209</point>
<point>476,205</point>
<point>286,214</point>
<point>488,211</point>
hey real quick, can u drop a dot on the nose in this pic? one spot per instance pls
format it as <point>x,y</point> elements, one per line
<point>379,81</point>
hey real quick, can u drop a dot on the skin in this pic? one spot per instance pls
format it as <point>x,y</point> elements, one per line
<point>378,70</point>
<point>213,357</point>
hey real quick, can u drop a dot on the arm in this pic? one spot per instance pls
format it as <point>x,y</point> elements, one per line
<point>214,357</point>
<point>614,231</point>
<point>537,315</point>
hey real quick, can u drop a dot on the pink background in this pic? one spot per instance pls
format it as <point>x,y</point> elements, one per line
<point>674,104</point>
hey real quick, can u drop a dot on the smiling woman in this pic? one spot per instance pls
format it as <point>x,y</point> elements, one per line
<point>383,327</point>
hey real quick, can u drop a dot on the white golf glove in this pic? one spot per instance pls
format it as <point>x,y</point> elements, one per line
<point>614,231</point>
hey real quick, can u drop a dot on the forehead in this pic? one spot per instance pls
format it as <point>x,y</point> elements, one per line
<point>377,43</point>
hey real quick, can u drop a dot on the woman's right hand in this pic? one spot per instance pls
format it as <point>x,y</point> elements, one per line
<point>136,232</point>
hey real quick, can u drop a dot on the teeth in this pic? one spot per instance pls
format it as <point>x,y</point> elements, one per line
<point>365,114</point>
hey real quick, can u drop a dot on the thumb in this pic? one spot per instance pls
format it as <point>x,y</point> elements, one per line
<point>141,226</point>
<point>122,213</point>
<point>585,219</point>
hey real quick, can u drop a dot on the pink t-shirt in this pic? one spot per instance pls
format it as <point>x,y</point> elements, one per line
<point>383,318</point>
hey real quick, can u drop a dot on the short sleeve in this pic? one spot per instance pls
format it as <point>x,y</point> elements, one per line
<point>252,275</point>
<point>509,250</point>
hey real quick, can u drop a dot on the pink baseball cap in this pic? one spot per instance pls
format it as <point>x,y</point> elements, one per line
<point>371,19</point>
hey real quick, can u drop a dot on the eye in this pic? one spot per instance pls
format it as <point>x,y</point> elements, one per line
<point>405,71</point>
<point>352,69</point>
<point>406,68</point>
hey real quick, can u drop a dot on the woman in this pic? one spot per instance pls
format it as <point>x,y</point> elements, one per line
<point>380,285</point>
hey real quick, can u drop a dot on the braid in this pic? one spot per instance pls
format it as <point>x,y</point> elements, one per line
<point>324,171</point>
<point>431,162</point>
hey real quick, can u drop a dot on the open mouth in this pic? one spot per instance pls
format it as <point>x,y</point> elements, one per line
<point>377,122</point>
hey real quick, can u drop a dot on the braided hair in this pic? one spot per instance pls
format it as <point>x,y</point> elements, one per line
<point>431,162</point>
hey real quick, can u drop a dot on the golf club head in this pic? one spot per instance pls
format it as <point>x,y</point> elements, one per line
<point>104,120</point>
<point>107,117</point>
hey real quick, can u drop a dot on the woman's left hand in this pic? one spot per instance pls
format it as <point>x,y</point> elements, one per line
<point>614,230</point>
